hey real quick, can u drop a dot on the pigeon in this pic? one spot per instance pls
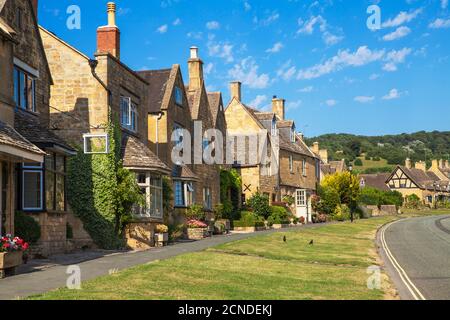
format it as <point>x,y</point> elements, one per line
<point>311,243</point>
<point>284,239</point>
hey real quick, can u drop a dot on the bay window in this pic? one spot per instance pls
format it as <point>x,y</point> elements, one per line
<point>152,189</point>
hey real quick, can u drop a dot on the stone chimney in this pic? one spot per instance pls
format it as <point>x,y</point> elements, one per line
<point>278,107</point>
<point>324,155</point>
<point>441,164</point>
<point>435,164</point>
<point>236,90</point>
<point>108,37</point>
<point>195,66</point>
<point>421,165</point>
<point>35,7</point>
<point>408,163</point>
<point>316,148</point>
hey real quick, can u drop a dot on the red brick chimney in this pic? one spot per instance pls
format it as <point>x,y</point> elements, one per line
<point>35,7</point>
<point>108,37</point>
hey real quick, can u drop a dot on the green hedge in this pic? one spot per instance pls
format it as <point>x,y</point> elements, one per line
<point>248,220</point>
<point>26,227</point>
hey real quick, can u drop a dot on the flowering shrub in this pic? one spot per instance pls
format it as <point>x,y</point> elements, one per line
<point>302,220</point>
<point>161,228</point>
<point>10,244</point>
<point>196,224</point>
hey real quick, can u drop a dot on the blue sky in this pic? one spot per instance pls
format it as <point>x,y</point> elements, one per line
<point>336,74</point>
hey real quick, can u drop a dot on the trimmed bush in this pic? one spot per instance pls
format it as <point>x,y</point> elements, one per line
<point>260,205</point>
<point>358,163</point>
<point>26,227</point>
<point>248,220</point>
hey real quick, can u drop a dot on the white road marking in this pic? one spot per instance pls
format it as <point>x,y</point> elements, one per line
<point>415,292</point>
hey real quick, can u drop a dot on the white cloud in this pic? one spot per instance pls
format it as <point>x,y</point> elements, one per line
<point>402,18</point>
<point>306,89</point>
<point>247,6</point>
<point>221,50</point>
<point>258,101</point>
<point>374,76</point>
<point>364,99</point>
<point>393,94</point>
<point>293,105</point>
<point>276,48</point>
<point>287,72</point>
<point>331,102</point>
<point>247,72</point>
<point>331,39</point>
<point>177,22</point>
<point>444,4</point>
<point>213,25</point>
<point>163,29</point>
<point>270,19</point>
<point>343,59</point>
<point>440,24</point>
<point>195,35</point>
<point>307,27</point>
<point>394,58</point>
<point>208,68</point>
<point>397,34</point>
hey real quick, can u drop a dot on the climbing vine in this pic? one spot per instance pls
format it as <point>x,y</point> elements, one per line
<point>230,190</point>
<point>101,192</point>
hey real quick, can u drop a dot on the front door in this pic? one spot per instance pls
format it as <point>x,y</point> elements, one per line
<point>301,204</point>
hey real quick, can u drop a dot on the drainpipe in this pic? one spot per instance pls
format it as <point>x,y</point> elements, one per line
<point>93,63</point>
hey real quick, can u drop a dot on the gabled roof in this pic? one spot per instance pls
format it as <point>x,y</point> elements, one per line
<point>194,100</point>
<point>377,181</point>
<point>296,147</point>
<point>265,116</point>
<point>423,179</point>
<point>31,127</point>
<point>215,101</point>
<point>137,155</point>
<point>158,82</point>
<point>183,172</point>
<point>285,124</point>
<point>10,137</point>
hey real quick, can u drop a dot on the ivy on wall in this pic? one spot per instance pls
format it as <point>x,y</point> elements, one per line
<point>101,192</point>
<point>230,190</point>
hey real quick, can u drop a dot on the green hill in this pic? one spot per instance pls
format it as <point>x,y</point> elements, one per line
<point>394,149</point>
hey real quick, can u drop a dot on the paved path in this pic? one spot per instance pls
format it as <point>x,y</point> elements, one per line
<point>417,256</point>
<point>55,277</point>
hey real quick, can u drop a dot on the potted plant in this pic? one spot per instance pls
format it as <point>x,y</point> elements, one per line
<point>161,235</point>
<point>196,229</point>
<point>11,254</point>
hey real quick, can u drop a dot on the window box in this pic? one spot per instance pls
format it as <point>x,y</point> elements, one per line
<point>9,261</point>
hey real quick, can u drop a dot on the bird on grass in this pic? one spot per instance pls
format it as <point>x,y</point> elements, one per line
<point>284,239</point>
<point>311,243</point>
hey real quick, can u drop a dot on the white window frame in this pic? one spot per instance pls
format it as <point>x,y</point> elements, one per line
<point>132,114</point>
<point>149,188</point>
<point>274,127</point>
<point>293,135</point>
<point>300,198</point>
<point>98,135</point>
<point>41,175</point>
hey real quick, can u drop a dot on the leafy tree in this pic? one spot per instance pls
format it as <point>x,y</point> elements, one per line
<point>260,205</point>
<point>345,184</point>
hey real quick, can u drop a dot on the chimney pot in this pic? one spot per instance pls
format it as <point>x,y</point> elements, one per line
<point>194,53</point>
<point>408,163</point>
<point>108,37</point>
<point>236,90</point>
<point>195,66</point>
<point>111,14</point>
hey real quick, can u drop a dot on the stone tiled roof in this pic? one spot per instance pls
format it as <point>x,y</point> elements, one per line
<point>265,116</point>
<point>194,99</point>
<point>285,124</point>
<point>137,155</point>
<point>215,100</point>
<point>184,172</point>
<point>425,179</point>
<point>30,126</point>
<point>297,147</point>
<point>10,137</point>
<point>158,80</point>
<point>333,167</point>
<point>377,181</point>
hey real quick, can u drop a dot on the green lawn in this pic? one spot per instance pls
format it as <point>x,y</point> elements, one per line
<point>368,164</point>
<point>259,268</point>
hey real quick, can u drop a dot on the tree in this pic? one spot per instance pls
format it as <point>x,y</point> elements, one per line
<point>345,184</point>
<point>260,205</point>
<point>358,162</point>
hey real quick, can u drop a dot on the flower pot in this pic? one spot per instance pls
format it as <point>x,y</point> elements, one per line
<point>161,239</point>
<point>197,233</point>
<point>9,261</point>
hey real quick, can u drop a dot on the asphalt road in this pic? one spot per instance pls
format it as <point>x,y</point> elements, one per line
<point>416,252</point>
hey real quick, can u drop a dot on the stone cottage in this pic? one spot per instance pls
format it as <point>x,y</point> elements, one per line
<point>90,93</point>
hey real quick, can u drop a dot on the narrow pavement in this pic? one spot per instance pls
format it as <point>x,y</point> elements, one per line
<point>417,256</point>
<point>41,281</point>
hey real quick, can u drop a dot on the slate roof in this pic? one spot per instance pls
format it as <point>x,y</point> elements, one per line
<point>10,137</point>
<point>184,172</point>
<point>377,181</point>
<point>30,126</point>
<point>158,80</point>
<point>136,154</point>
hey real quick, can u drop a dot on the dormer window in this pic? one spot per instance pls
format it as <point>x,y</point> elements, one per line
<point>178,96</point>
<point>274,127</point>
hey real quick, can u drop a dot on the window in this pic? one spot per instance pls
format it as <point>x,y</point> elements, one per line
<point>151,187</point>
<point>128,114</point>
<point>55,182</point>
<point>207,198</point>
<point>291,164</point>
<point>304,167</point>
<point>178,129</point>
<point>184,194</point>
<point>178,96</point>
<point>274,127</point>
<point>96,143</point>
<point>301,198</point>
<point>32,185</point>
<point>24,90</point>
